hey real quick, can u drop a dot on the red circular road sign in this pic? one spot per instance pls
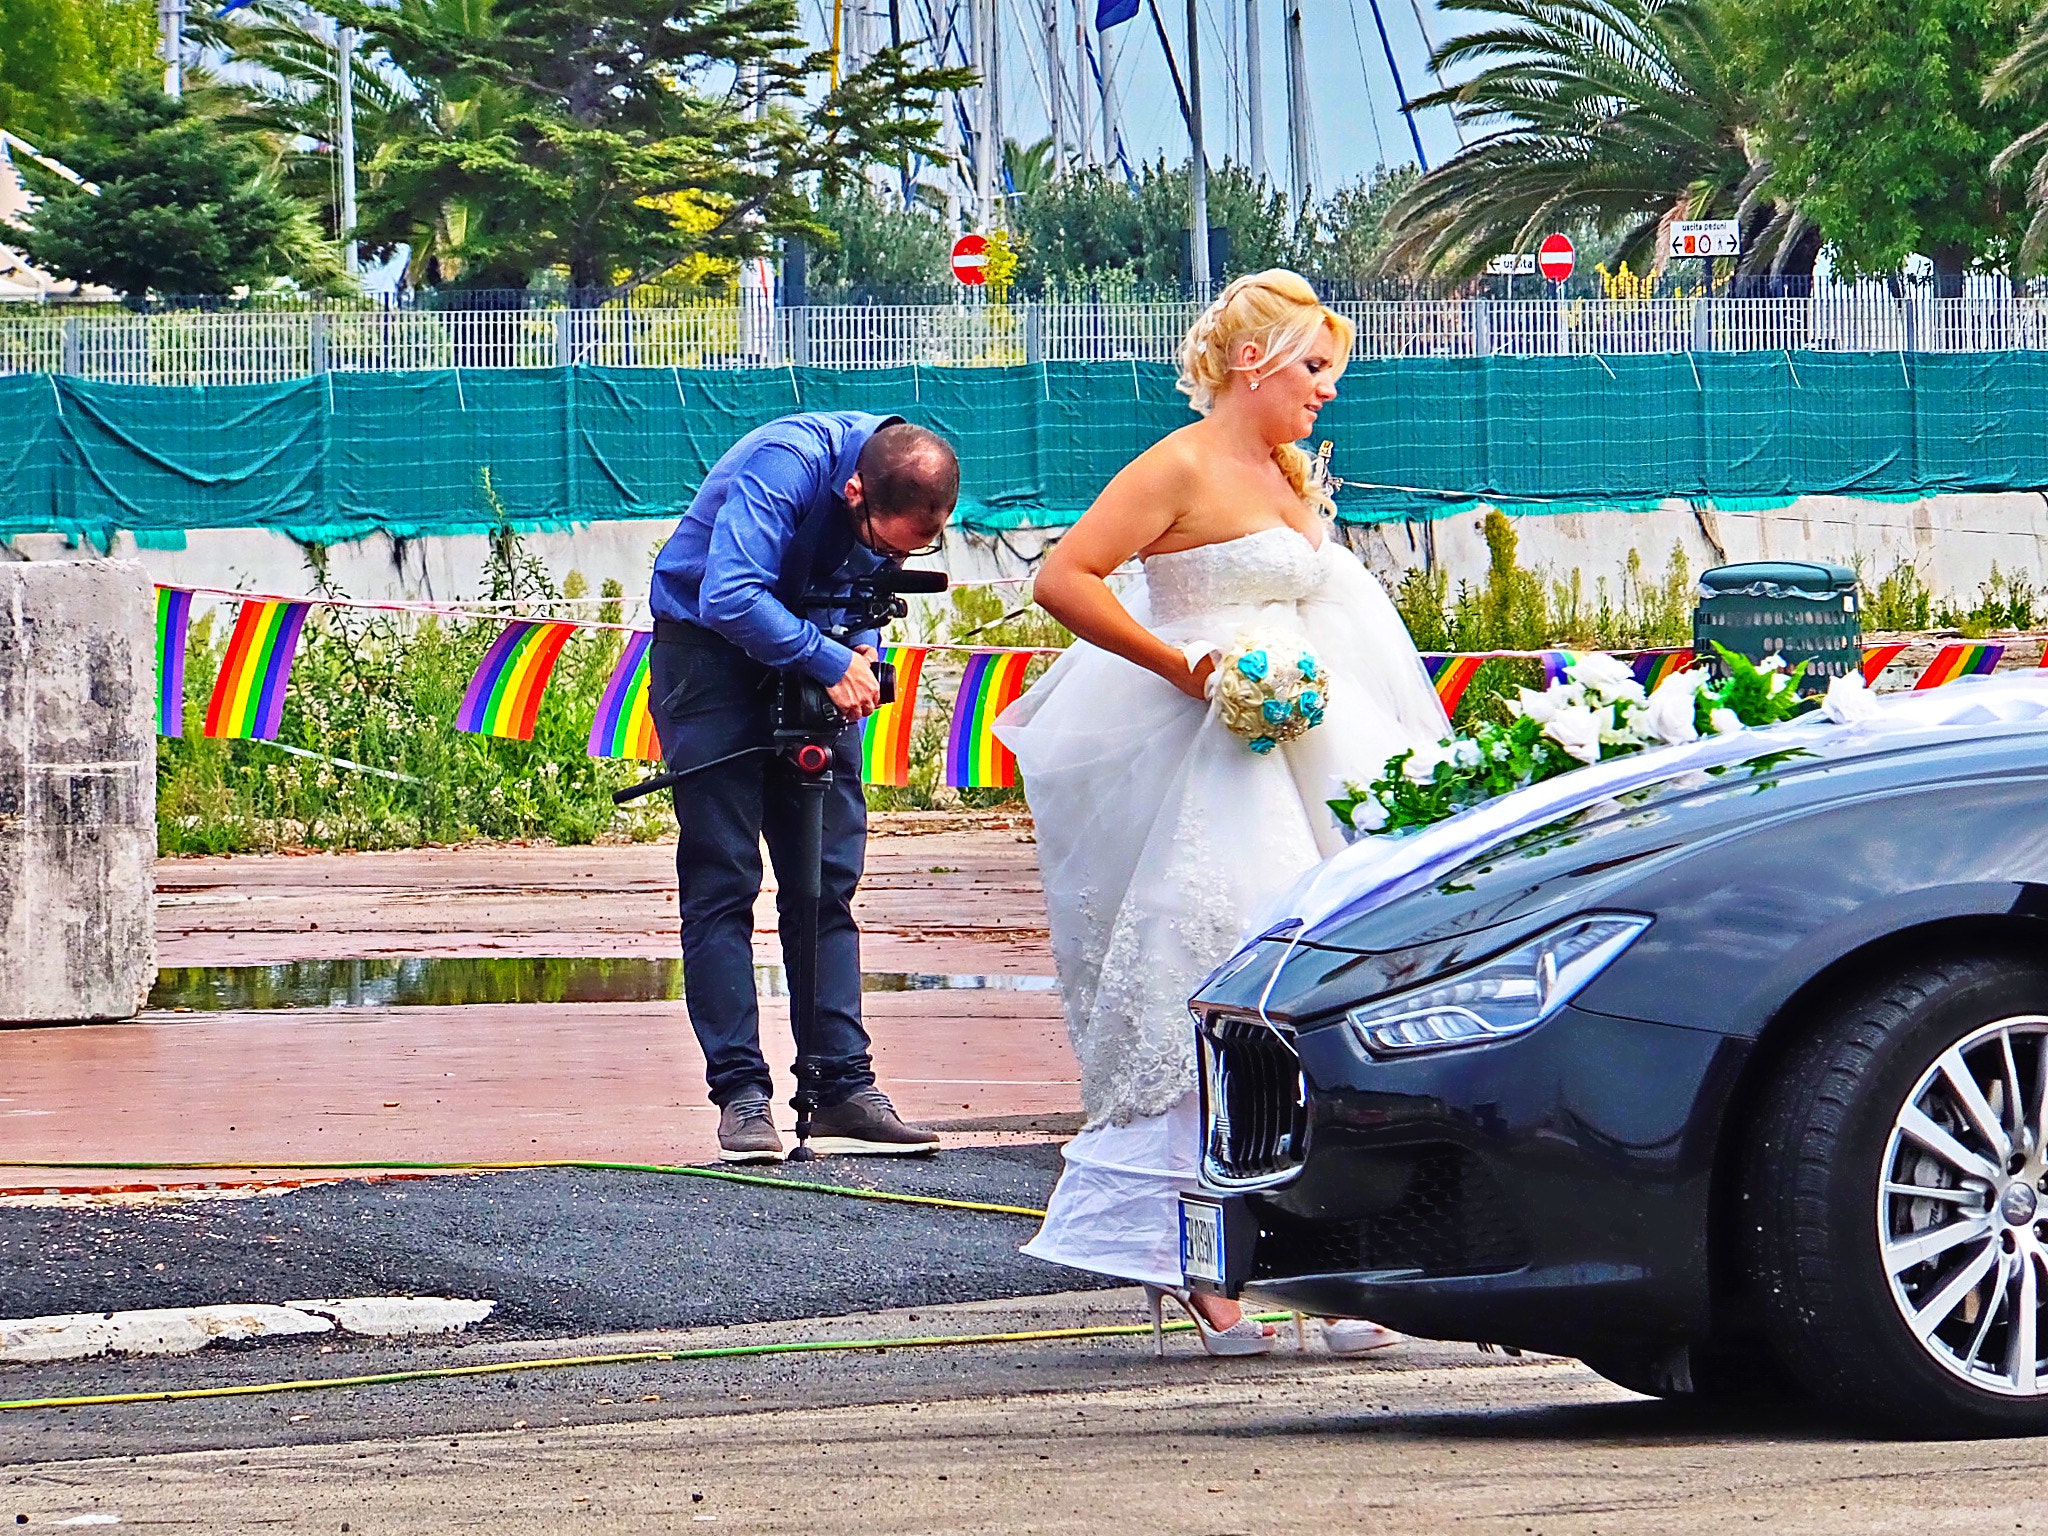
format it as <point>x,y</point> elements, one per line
<point>1554,258</point>
<point>970,260</point>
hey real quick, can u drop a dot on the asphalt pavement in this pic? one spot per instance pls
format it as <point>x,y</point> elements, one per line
<point>560,1251</point>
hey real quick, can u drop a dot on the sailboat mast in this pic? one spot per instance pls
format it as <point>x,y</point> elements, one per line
<point>1254,93</point>
<point>1084,129</point>
<point>1055,84</point>
<point>1300,149</point>
<point>1198,167</point>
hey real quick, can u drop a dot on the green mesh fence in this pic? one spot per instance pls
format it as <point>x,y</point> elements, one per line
<point>341,455</point>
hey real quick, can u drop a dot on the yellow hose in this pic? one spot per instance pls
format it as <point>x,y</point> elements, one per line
<point>639,1357</point>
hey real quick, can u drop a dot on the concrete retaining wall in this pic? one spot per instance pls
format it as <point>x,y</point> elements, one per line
<point>1953,541</point>
<point>77,790</point>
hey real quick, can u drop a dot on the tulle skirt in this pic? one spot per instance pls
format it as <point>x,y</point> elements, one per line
<point>1160,836</point>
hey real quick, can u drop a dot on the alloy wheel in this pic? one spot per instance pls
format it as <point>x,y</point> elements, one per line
<point>1962,1207</point>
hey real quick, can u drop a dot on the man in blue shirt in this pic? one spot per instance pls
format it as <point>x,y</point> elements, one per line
<point>800,506</point>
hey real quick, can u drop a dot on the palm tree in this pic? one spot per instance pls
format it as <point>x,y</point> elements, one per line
<point>1620,115</point>
<point>2023,76</point>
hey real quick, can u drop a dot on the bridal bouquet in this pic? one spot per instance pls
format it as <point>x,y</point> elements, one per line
<point>1599,711</point>
<point>1270,691</point>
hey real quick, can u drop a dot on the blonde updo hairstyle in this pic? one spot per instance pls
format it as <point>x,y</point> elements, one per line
<point>1278,312</point>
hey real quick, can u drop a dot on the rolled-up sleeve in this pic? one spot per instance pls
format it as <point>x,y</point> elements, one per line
<point>750,536</point>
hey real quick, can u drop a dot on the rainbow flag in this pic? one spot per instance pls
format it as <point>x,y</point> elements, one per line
<point>173,622</point>
<point>1653,667</point>
<point>1962,659</point>
<point>974,758</point>
<point>1876,658</point>
<point>248,696</point>
<point>885,737</point>
<point>1452,675</point>
<point>624,726</point>
<point>503,699</point>
<point>1554,665</point>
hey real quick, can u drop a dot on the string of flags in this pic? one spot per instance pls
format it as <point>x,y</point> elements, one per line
<point>504,696</point>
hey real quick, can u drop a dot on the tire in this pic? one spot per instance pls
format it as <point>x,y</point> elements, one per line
<point>1917,1310</point>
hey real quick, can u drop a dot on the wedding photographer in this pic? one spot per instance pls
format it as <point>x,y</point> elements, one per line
<point>805,506</point>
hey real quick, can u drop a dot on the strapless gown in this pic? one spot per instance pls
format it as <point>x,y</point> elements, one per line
<point>1161,835</point>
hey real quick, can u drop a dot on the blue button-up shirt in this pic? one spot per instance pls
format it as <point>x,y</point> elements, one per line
<point>728,559</point>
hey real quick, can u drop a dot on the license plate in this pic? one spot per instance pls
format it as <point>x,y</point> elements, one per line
<point>1201,1241</point>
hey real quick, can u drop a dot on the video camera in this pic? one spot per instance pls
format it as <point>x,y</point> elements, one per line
<point>801,711</point>
<point>803,720</point>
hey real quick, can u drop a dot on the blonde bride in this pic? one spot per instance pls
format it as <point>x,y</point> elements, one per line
<point>1161,834</point>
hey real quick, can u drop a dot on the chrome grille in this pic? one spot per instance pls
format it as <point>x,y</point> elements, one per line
<point>1254,1103</point>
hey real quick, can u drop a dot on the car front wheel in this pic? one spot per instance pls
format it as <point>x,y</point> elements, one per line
<point>1896,1201</point>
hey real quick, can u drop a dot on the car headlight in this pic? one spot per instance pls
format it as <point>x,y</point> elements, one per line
<point>1508,995</point>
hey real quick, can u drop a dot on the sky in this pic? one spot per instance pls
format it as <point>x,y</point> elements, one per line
<point>1356,108</point>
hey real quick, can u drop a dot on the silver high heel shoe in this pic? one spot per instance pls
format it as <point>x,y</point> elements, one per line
<point>1246,1336</point>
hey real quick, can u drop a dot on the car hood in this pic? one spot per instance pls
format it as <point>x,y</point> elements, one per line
<point>1532,857</point>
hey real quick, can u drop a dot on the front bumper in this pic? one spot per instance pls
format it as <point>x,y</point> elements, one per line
<point>1549,1192</point>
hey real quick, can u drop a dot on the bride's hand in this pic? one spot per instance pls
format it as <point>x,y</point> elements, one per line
<point>1195,681</point>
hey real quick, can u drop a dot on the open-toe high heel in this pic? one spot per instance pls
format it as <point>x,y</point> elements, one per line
<point>1246,1336</point>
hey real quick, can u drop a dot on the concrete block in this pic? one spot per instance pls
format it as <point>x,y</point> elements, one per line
<point>77,790</point>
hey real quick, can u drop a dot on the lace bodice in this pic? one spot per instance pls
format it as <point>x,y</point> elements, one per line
<point>1274,565</point>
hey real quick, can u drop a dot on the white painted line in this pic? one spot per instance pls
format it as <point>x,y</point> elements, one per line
<point>182,1330</point>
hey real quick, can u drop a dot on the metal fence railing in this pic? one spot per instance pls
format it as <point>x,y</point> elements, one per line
<point>247,347</point>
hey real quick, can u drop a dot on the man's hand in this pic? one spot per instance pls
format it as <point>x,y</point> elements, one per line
<point>858,694</point>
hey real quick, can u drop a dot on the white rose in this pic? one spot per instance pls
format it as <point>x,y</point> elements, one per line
<point>1672,707</point>
<point>1779,683</point>
<point>1578,732</point>
<point>1369,815</point>
<point>1724,722</point>
<point>1601,671</point>
<point>1421,765</point>
<point>1771,663</point>
<point>1849,701</point>
<point>1466,754</point>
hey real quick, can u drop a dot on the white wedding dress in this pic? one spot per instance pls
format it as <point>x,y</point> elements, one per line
<point>1161,834</point>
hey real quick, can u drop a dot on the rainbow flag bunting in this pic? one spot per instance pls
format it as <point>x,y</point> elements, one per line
<point>1651,668</point>
<point>173,622</point>
<point>1875,659</point>
<point>503,698</point>
<point>1963,659</point>
<point>974,758</point>
<point>248,696</point>
<point>1452,675</point>
<point>885,738</point>
<point>1555,663</point>
<point>624,726</point>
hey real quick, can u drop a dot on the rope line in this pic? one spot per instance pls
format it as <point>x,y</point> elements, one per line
<point>636,1357</point>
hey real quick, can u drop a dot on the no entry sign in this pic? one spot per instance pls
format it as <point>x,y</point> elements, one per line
<point>1554,258</point>
<point>970,260</point>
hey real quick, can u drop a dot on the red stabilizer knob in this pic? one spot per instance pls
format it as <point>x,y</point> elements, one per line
<point>812,758</point>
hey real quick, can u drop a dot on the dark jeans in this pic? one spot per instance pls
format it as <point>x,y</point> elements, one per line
<point>710,698</point>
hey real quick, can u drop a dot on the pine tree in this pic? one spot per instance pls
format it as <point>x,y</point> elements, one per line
<point>183,208</point>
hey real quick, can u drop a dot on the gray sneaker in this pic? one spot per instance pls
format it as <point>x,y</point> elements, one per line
<point>867,1125</point>
<point>746,1132</point>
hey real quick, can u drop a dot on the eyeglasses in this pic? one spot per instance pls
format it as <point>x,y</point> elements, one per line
<point>882,546</point>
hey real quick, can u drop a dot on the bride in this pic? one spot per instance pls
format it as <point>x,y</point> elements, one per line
<point>1161,834</point>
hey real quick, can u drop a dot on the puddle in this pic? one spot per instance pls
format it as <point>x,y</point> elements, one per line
<point>426,982</point>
